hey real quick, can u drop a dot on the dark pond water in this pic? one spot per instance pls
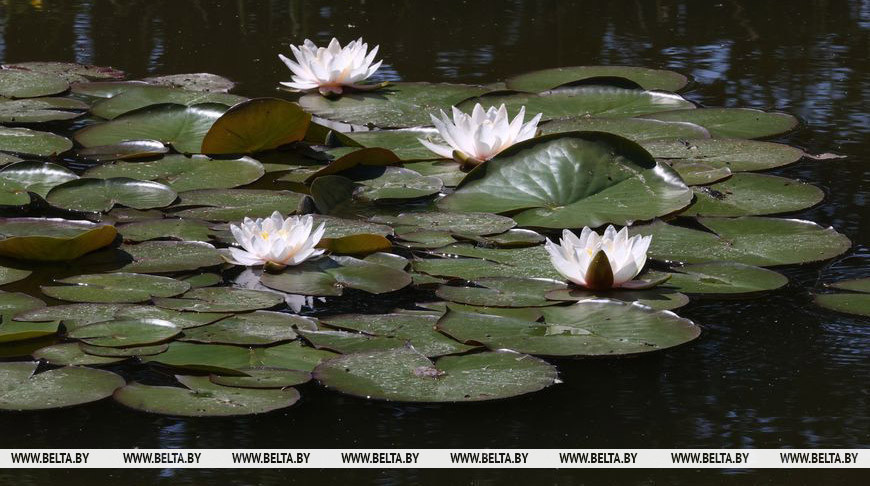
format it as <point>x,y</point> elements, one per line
<point>771,372</point>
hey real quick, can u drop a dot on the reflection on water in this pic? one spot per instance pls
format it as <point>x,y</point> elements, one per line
<point>771,372</point>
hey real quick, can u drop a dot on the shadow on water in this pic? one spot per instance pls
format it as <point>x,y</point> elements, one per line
<point>772,372</point>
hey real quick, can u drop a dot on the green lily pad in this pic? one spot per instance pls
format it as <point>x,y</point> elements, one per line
<point>403,143</point>
<point>397,184</point>
<point>857,304</point>
<point>232,360</point>
<point>256,125</point>
<point>8,158</point>
<point>77,315</point>
<point>125,332</point>
<point>31,142</point>
<point>361,244</point>
<point>400,105</point>
<point>425,239</point>
<point>202,398</point>
<point>70,354</point>
<point>170,256</point>
<point>107,352</point>
<point>21,389</point>
<point>205,82</point>
<point>131,149</point>
<point>406,375</point>
<point>89,194</point>
<point>141,96</point>
<point>13,303</point>
<point>115,288</point>
<point>597,101</point>
<point>179,229</point>
<point>305,279</point>
<point>733,122</point>
<point>529,262</point>
<point>104,89</point>
<point>391,260</point>
<point>551,78</point>
<point>572,180</point>
<point>13,194</point>
<point>346,342</point>
<point>198,280</point>
<point>70,71</point>
<point>9,275</point>
<point>52,239</point>
<point>750,240</point>
<point>636,129</point>
<point>466,223</point>
<point>182,127</point>
<point>587,328</point>
<point>753,195</point>
<point>341,227</point>
<point>221,299</point>
<point>11,331</point>
<point>39,110</point>
<point>371,157</point>
<point>658,298</point>
<point>327,279</point>
<point>38,177</point>
<point>15,83</point>
<point>856,285</point>
<point>418,330</point>
<point>724,278</point>
<point>182,173</point>
<point>263,377</point>
<point>502,292</point>
<point>256,328</point>
<point>449,171</point>
<point>719,153</point>
<point>235,204</point>
<point>698,173</point>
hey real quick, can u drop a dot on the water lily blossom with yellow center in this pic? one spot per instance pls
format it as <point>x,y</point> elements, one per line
<point>600,262</point>
<point>275,242</point>
<point>331,69</point>
<point>474,138</point>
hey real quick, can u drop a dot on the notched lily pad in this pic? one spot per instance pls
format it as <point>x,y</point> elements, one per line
<point>724,278</point>
<point>256,125</point>
<point>90,194</point>
<point>141,96</point>
<point>502,292</point>
<point>205,82</point>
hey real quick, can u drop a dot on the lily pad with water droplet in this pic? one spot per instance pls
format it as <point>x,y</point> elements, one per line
<point>256,328</point>
<point>9,275</point>
<point>52,239</point>
<point>170,256</point>
<point>551,78</point>
<point>720,153</point>
<point>502,292</point>
<point>724,278</point>
<point>202,398</point>
<point>20,331</point>
<point>597,101</point>
<point>404,375</point>
<point>400,105</point>
<point>572,180</point>
<point>205,82</point>
<point>182,173</point>
<point>263,377</point>
<point>31,142</point>
<point>140,96</point>
<point>256,125</point>
<point>132,149</point>
<point>750,240</point>
<point>416,330</point>
<point>235,204</point>
<point>70,354</point>
<point>115,288</point>
<point>221,299</point>
<point>733,122</point>
<point>753,195</point>
<point>658,298</point>
<point>125,332</point>
<point>174,228</point>
<point>17,83</point>
<point>39,110</point>
<point>636,129</point>
<point>90,194</point>
<point>346,342</point>
<point>182,127</point>
<point>21,389</point>
<point>587,328</point>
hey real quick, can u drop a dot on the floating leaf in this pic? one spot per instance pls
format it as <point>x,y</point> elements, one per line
<point>231,360</point>
<point>125,332</point>
<point>724,278</point>
<point>141,96</point>
<point>636,129</point>
<point>361,244</point>
<point>38,110</point>
<point>70,354</point>
<point>407,376</point>
<point>104,89</point>
<point>418,330</point>
<point>77,315</point>
<point>698,173</point>
<point>170,256</point>
<point>397,184</point>
<point>325,278</point>
<point>466,223</point>
<point>400,105</point>
<point>235,204</point>
<point>88,194</point>
<point>132,149</point>
<point>221,299</point>
<point>202,398</point>
<point>9,275</point>
<point>15,83</point>
<point>263,377</point>
<point>13,194</point>
<point>31,142</point>
<point>572,180</point>
<point>750,240</point>
<point>857,304</point>
<point>51,239</point>
<point>502,292</point>
<point>719,153</point>
<point>12,303</point>
<point>115,288</point>
<point>371,157</point>
<point>449,171</point>
<point>733,122</point>
<point>403,143</point>
<point>587,328</point>
<point>530,262</point>
<point>20,331</point>
<point>182,173</point>
<point>753,194</point>
<point>179,229</point>
<point>657,298</point>
<point>256,328</point>
<point>856,285</point>
<point>205,82</point>
<point>256,125</point>
<point>68,70</point>
<point>38,177</point>
<point>551,78</point>
<point>21,389</point>
<point>108,352</point>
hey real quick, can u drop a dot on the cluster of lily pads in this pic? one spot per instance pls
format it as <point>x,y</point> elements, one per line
<point>145,191</point>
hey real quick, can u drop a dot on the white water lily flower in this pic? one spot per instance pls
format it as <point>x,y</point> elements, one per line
<point>481,135</point>
<point>275,241</point>
<point>330,69</point>
<point>621,258</point>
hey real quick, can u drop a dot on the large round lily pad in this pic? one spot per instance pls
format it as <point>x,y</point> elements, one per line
<point>636,129</point>
<point>136,97</point>
<point>205,82</point>
<point>256,125</point>
<point>572,180</point>
<point>90,194</point>
<point>235,204</point>
<point>39,110</point>
<point>546,79</point>
<point>256,328</point>
<point>171,256</point>
<point>131,149</point>
<point>202,398</point>
<point>181,126</point>
<point>404,143</point>
<point>51,239</point>
<point>233,360</point>
<point>752,195</point>
<point>734,154</point>
<point>31,142</point>
<point>182,173</point>
<point>415,329</point>
<point>400,105</point>
<point>397,184</point>
<point>733,122</point>
<point>587,328</point>
<point>38,177</point>
<point>21,389</point>
<point>530,262</point>
<point>221,299</point>
<point>466,223</point>
<point>750,240</point>
<point>16,83</point>
<point>125,332</point>
<point>325,278</point>
<point>263,377</point>
<point>724,278</point>
<point>72,72</point>
<point>406,375</point>
<point>115,288</point>
<point>502,292</point>
<point>598,101</point>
